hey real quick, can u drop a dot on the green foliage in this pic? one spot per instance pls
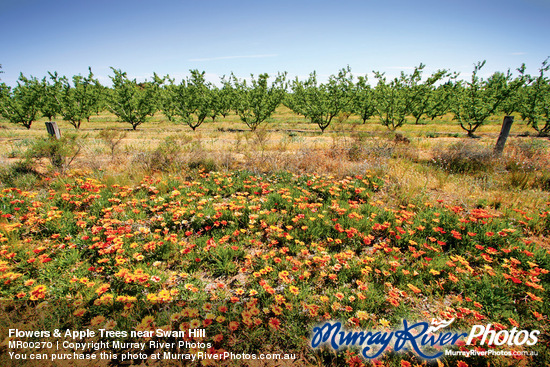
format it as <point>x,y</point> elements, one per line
<point>256,102</point>
<point>363,103</point>
<point>22,104</point>
<point>80,100</point>
<point>4,96</point>
<point>478,99</point>
<point>20,174</point>
<point>60,152</point>
<point>193,99</point>
<point>534,100</point>
<point>441,98</point>
<point>322,103</point>
<point>166,91</point>
<point>221,99</point>
<point>130,101</point>
<point>49,104</point>
<point>427,100</point>
<point>403,96</point>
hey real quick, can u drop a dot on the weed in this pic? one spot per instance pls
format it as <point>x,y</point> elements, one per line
<point>60,152</point>
<point>112,138</point>
<point>464,157</point>
<point>166,157</point>
<point>19,146</point>
<point>203,164</point>
<point>21,174</point>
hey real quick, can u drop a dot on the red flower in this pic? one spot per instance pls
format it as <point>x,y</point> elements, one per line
<point>275,323</point>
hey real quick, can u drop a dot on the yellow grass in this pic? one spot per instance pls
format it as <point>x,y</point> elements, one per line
<point>289,141</point>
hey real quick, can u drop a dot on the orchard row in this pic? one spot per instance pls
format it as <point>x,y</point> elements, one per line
<point>194,100</point>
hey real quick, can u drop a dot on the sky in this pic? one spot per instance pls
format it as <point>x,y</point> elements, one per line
<point>254,36</point>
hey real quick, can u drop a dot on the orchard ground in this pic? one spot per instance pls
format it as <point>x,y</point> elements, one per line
<point>258,236</point>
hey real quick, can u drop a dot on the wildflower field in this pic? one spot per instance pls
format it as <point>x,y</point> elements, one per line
<point>245,218</point>
<point>258,260</point>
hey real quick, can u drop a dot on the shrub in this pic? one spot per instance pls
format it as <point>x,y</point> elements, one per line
<point>61,153</point>
<point>21,174</point>
<point>112,138</point>
<point>166,157</point>
<point>525,155</point>
<point>204,164</point>
<point>464,157</point>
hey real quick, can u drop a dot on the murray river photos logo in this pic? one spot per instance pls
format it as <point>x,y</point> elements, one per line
<point>422,338</point>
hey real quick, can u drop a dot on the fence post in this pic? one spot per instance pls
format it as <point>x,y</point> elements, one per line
<point>504,132</point>
<point>53,130</point>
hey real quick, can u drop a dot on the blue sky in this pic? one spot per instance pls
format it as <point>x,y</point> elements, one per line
<point>220,37</point>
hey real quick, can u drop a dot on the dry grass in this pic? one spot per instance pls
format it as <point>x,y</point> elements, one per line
<point>520,178</point>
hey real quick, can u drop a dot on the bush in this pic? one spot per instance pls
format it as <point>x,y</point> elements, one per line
<point>204,164</point>
<point>61,153</point>
<point>464,157</point>
<point>21,174</point>
<point>166,157</point>
<point>525,155</point>
<point>112,138</point>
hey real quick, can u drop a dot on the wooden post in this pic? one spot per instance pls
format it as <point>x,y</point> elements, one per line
<point>53,130</point>
<point>504,132</point>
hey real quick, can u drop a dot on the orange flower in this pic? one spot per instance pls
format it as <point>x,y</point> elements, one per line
<point>97,320</point>
<point>233,325</point>
<point>393,301</point>
<point>102,289</point>
<point>413,288</point>
<point>461,364</point>
<point>534,297</point>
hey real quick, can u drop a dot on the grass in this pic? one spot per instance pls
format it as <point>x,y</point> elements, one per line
<point>289,142</point>
<point>258,236</point>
